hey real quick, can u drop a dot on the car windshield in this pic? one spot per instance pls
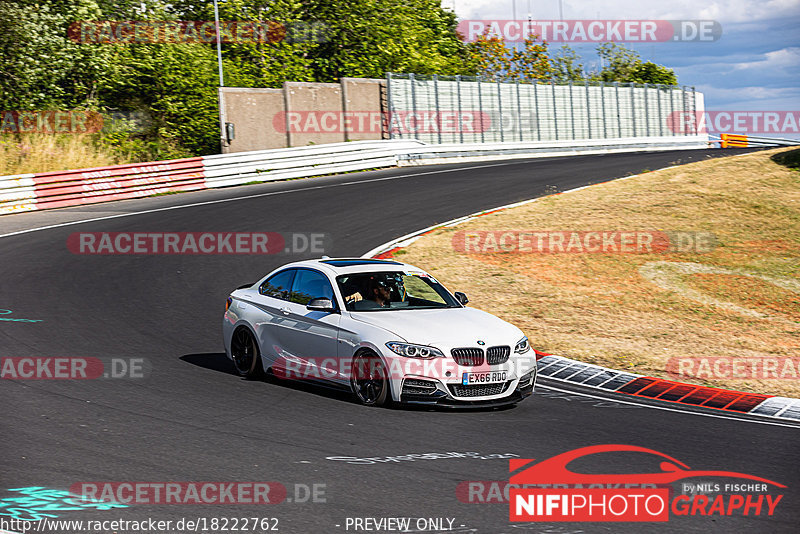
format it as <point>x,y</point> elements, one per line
<point>393,291</point>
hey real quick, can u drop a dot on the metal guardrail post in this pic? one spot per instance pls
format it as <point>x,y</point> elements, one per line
<point>414,106</point>
<point>453,107</point>
<point>480,107</point>
<point>438,111</point>
<point>633,108</point>
<point>571,110</point>
<point>603,103</point>
<point>460,116</point>
<point>672,109</point>
<point>389,104</point>
<point>500,110</point>
<point>588,112</point>
<point>683,92</point>
<point>646,112</point>
<point>555,113</point>
<point>536,109</point>
<point>660,116</point>
<point>519,113</point>
<point>619,116</point>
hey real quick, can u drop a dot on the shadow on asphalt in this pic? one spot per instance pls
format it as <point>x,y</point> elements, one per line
<point>218,361</point>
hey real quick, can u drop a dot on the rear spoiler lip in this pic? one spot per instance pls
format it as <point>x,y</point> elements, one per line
<point>246,286</point>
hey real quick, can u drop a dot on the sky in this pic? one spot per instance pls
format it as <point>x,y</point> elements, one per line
<point>754,65</point>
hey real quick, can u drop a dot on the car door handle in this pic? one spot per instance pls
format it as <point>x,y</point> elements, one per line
<point>285,311</point>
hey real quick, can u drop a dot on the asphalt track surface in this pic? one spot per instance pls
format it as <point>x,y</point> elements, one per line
<point>191,419</point>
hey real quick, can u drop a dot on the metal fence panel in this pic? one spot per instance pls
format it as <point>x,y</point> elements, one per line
<point>468,109</point>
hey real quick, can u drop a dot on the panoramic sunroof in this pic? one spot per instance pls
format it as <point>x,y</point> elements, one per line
<point>359,261</point>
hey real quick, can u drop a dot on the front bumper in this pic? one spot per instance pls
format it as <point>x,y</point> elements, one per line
<point>443,395</point>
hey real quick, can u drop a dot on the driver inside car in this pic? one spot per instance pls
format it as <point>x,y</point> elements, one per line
<point>379,292</point>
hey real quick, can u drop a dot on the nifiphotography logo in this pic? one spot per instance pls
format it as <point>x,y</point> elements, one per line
<point>549,491</point>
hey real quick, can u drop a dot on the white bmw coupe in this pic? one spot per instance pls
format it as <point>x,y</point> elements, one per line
<point>386,330</point>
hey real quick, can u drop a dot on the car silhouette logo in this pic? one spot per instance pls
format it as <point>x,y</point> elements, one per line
<point>554,470</point>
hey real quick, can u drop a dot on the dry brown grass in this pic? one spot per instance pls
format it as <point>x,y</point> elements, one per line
<point>600,308</point>
<point>42,153</point>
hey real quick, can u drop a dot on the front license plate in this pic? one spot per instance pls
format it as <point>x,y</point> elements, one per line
<point>492,377</point>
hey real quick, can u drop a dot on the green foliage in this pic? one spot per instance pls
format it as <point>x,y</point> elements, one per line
<point>531,62</point>
<point>495,61</point>
<point>652,73</point>
<point>492,59</point>
<point>490,56</point>
<point>368,38</point>
<point>567,65</point>
<point>175,84</point>
<point>625,66</point>
<point>619,60</point>
<point>42,68</point>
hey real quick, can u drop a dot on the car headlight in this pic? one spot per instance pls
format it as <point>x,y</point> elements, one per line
<point>411,350</point>
<point>522,346</point>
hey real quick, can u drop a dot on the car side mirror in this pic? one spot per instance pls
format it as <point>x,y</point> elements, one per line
<point>461,297</point>
<point>321,304</point>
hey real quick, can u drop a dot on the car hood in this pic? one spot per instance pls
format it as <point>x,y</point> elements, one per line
<point>447,328</point>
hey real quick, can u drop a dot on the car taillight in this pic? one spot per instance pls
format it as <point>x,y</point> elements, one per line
<point>228,303</point>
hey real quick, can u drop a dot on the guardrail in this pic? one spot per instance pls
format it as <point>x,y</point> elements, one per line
<point>27,192</point>
<point>88,186</point>
<point>280,164</point>
<point>743,141</point>
<point>449,153</point>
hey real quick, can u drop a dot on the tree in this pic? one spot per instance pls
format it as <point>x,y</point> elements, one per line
<point>651,73</point>
<point>176,85</point>
<point>491,57</point>
<point>282,55</point>
<point>620,62</point>
<point>567,66</point>
<point>531,62</point>
<point>495,61</point>
<point>42,68</point>
<point>368,38</point>
<point>625,66</point>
